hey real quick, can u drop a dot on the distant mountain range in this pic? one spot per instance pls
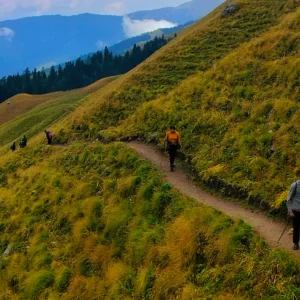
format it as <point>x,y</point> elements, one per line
<point>127,44</point>
<point>192,10</point>
<point>49,40</point>
<point>122,47</point>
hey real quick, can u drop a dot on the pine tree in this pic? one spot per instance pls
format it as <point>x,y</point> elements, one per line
<point>27,87</point>
<point>78,74</point>
<point>51,80</point>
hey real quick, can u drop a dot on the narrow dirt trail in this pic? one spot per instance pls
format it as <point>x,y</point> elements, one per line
<point>269,229</point>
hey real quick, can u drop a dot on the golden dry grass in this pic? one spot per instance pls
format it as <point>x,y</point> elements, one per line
<point>74,236</point>
<point>23,103</point>
<point>55,107</point>
<point>104,214</point>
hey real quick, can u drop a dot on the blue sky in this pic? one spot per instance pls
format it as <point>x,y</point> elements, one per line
<point>13,9</point>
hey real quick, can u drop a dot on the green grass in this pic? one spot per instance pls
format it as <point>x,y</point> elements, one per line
<point>195,50</point>
<point>64,280</point>
<point>146,241</point>
<point>38,283</point>
<point>92,221</point>
<point>56,107</point>
<point>231,86</point>
<point>218,82</point>
<point>239,120</point>
<point>36,120</point>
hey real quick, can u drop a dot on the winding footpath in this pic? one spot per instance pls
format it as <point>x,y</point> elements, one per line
<point>269,229</point>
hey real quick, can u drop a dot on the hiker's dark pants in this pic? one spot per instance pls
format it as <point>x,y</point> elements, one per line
<point>296,225</point>
<point>49,141</point>
<point>172,153</point>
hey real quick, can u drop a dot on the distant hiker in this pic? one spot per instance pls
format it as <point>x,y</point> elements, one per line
<point>173,143</point>
<point>293,205</point>
<point>13,147</point>
<point>49,136</point>
<point>23,143</point>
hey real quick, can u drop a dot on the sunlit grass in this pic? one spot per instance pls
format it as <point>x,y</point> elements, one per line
<point>97,221</point>
<point>30,115</point>
<point>89,221</point>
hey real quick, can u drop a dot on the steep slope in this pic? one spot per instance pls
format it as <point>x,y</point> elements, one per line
<point>49,40</point>
<point>22,103</point>
<point>268,228</point>
<point>195,50</point>
<point>239,120</point>
<point>229,140</point>
<point>209,112</point>
<point>29,114</point>
<point>94,221</point>
<point>97,222</point>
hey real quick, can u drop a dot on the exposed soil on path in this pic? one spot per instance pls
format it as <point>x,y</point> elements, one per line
<point>269,229</point>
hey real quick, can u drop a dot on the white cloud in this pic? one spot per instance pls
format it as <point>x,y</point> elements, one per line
<point>100,44</point>
<point>7,33</point>
<point>42,6</point>
<point>116,8</point>
<point>7,6</point>
<point>12,9</point>
<point>74,4</point>
<point>138,27</point>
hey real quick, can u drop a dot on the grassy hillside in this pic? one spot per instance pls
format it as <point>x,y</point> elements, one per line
<point>197,49</point>
<point>22,103</point>
<point>97,222</point>
<point>218,82</point>
<point>30,114</point>
<point>240,119</point>
<point>93,221</point>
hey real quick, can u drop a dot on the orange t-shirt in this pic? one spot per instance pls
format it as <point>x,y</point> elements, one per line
<point>173,137</point>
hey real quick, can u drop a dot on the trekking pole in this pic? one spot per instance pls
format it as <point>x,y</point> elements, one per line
<point>162,155</point>
<point>162,159</point>
<point>287,225</point>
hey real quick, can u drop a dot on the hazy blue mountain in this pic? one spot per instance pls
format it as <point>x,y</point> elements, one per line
<point>128,44</point>
<point>121,47</point>
<point>42,40</point>
<point>50,40</point>
<point>192,10</point>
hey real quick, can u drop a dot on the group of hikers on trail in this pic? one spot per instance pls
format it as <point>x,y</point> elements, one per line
<point>23,143</point>
<point>173,143</point>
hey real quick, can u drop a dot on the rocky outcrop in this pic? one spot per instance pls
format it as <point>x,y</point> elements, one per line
<point>229,10</point>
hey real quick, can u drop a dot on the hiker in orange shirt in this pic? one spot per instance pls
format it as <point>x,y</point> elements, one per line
<point>172,143</point>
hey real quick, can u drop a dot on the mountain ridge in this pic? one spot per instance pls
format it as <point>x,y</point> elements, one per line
<point>42,49</point>
<point>190,11</point>
<point>182,75</point>
<point>35,42</point>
